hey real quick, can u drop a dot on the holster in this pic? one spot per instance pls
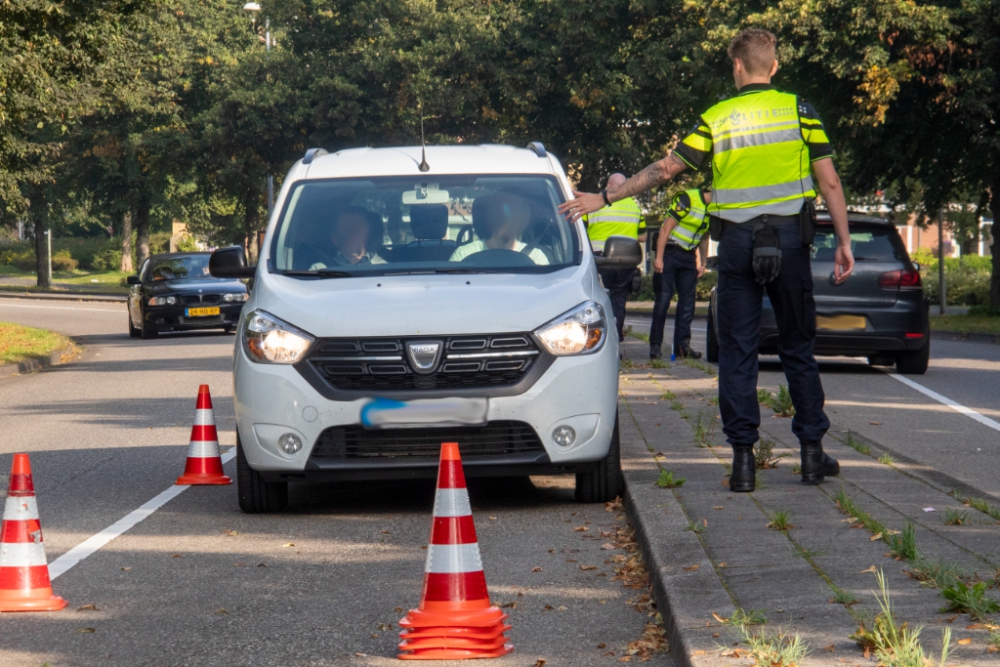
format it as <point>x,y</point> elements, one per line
<point>766,252</point>
<point>807,223</point>
<point>636,282</point>
<point>715,228</point>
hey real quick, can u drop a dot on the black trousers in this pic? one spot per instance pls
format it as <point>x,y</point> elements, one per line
<point>680,272</point>
<point>618,282</point>
<point>739,312</point>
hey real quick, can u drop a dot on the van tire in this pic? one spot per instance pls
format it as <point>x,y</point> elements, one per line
<point>603,482</point>
<point>711,341</point>
<point>916,362</point>
<point>257,496</point>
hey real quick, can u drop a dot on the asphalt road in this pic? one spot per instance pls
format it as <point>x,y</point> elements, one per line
<point>876,404</point>
<point>200,583</point>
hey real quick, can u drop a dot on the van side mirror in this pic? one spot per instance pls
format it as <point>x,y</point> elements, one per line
<point>230,262</point>
<point>133,280</point>
<point>620,252</point>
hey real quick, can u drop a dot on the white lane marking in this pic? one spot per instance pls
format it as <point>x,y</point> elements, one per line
<point>957,407</point>
<point>89,310</point>
<point>95,542</point>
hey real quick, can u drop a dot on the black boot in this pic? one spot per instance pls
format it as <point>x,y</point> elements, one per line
<point>816,464</point>
<point>744,477</point>
<point>655,352</point>
<point>685,352</point>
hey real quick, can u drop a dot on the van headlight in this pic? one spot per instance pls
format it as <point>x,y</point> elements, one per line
<point>267,339</point>
<point>579,331</point>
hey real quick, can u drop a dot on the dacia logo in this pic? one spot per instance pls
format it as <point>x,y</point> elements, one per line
<point>424,355</point>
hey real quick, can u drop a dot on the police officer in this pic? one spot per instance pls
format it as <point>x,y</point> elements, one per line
<point>681,250</point>
<point>769,152</point>
<point>622,218</point>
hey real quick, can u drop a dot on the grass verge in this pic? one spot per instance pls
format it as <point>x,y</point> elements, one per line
<point>978,324</point>
<point>18,343</point>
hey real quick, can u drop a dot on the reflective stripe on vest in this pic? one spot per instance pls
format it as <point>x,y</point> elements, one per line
<point>692,227</point>
<point>760,160</point>
<point>622,218</point>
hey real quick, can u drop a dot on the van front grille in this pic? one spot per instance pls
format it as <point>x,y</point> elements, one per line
<point>497,438</point>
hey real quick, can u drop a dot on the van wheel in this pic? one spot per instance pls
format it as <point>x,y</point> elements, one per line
<point>603,482</point>
<point>914,363</point>
<point>256,495</point>
<point>712,341</point>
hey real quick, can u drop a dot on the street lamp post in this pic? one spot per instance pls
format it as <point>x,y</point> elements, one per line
<point>255,7</point>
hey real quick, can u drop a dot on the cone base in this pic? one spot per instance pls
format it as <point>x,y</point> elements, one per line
<point>478,618</point>
<point>462,643</point>
<point>457,632</point>
<point>455,654</point>
<point>198,479</point>
<point>40,600</point>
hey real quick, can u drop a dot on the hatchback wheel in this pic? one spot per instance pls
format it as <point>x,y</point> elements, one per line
<point>256,495</point>
<point>603,482</point>
<point>146,330</point>
<point>132,330</point>
<point>914,363</point>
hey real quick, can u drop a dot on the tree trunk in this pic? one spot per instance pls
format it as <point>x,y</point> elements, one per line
<point>126,227</point>
<point>251,222</point>
<point>37,213</point>
<point>141,221</point>
<point>995,248</point>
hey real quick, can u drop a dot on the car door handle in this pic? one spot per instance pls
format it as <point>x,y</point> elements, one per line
<point>833,279</point>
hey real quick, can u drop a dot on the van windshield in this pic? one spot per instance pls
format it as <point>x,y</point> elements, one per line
<point>391,225</point>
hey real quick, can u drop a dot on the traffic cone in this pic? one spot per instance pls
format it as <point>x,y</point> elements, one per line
<point>455,619</point>
<point>24,570</point>
<point>204,465</point>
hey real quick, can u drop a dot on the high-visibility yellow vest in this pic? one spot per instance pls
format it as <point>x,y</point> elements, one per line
<point>622,218</point>
<point>760,159</point>
<point>691,215</point>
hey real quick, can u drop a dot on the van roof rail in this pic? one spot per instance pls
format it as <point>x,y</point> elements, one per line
<point>537,147</point>
<point>314,153</point>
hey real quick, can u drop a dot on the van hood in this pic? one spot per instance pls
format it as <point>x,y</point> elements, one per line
<point>417,305</point>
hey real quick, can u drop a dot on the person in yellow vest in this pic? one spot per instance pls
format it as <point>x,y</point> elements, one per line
<point>769,151</point>
<point>622,218</point>
<point>681,250</point>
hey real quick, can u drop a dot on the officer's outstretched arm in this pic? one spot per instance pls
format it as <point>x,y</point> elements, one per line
<point>828,182</point>
<point>655,174</point>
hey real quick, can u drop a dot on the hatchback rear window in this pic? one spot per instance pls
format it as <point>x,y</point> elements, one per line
<point>869,243</point>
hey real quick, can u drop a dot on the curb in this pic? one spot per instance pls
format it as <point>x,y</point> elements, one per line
<point>47,296</point>
<point>958,335</point>
<point>32,364</point>
<point>685,598</point>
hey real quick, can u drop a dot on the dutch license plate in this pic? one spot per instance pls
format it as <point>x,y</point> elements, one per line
<point>842,323</point>
<point>201,312</point>
<point>386,413</point>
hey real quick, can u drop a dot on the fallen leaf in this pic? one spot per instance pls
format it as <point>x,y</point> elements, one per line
<point>177,556</point>
<point>292,544</point>
<point>868,652</point>
<point>239,564</point>
<point>570,560</point>
<point>221,611</point>
<point>602,645</point>
<point>993,649</point>
<point>261,565</point>
<point>492,518</point>
<point>876,536</point>
<point>697,653</point>
<point>536,569</point>
<point>625,658</point>
<point>831,648</point>
<point>372,636</point>
<point>540,662</point>
<point>398,610</point>
<point>360,655</point>
<point>89,607</point>
<point>231,533</point>
<point>552,551</point>
<point>581,529</point>
<point>126,569</point>
<point>718,507</point>
<point>871,569</point>
<point>549,607</point>
<point>722,565</point>
<point>964,641</point>
<point>607,546</point>
<point>691,568</point>
<point>509,605</point>
<point>88,630</point>
<point>586,568</point>
<point>715,635</point>
<point>704,522</point>
<point>562,608</point>
<point>875,423</point>
<point>718,618</point>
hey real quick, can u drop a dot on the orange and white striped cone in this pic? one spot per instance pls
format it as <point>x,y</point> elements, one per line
<point>24,571</point>
<point>455,619</point>
<point>204,464</point>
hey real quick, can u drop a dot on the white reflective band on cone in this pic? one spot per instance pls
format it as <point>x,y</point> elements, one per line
<point>203,449</point>
<point>453,558</point>
<point>22,555</point>
<point>20,509</point>
<point>452,502</point>
<point>204,417</point>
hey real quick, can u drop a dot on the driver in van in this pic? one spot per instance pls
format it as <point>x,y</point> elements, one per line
<point>507,216</point>
<point>351,233</point>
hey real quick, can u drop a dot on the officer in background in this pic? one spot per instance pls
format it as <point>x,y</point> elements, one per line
<point>681,251</point>
<point>622,218</point>
<point>767,147</point>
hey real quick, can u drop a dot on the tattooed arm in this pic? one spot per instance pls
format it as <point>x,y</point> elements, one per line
<point>655,174</point>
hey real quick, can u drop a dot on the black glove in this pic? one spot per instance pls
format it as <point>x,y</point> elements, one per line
<point>766,253</point>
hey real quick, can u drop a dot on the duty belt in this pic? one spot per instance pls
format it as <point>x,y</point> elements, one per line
<point>767,219</point>
<point>678,246</point>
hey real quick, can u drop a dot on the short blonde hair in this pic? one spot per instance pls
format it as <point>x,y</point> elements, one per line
<point>756,50</point>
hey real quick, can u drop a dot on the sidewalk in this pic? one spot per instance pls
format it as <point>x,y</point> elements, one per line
<point>711,551</point>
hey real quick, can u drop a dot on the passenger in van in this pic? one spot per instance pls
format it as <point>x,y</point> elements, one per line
<point>351,234</point>
<point>506,216</point>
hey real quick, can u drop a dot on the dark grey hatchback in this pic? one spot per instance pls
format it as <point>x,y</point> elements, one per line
<point>879,312</point>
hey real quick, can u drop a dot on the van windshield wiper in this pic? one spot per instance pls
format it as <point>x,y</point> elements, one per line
<point>321,273</point>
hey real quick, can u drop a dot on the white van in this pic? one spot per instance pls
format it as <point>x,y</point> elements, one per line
<point>406,298</point>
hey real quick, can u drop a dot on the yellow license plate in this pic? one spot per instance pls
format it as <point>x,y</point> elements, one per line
<point>842,323</point>
<point>202,312</point>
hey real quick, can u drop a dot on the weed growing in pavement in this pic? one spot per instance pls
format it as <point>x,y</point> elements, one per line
<point>955,518</point>
<point>764,397</point>
<point>714,401</point>
<point>638,335</point>
<point>969,599</point>
<point>763,454</point>
<point>677,405</point>
<point>904,544</point>
<point>978,504</point>
<point>846,598</point>
<point>894,644</point>
<point>657,363</point>
<point>668,396</point>
<point>782,403</point>
<point>849,507</point>
<point>704,429</point>
<point>700,365</point>
<point>742,618</point>
<point>695,527</point>
<point>668,481</point>
<point>796,468</point>
<point>886,459</point>
<point>625,365</point>
<point>936,575</point>
<point>779,520</point>
<point>859,447</point>
<point>777,650</point>
<point>994,641</point>
<point>808,554</point>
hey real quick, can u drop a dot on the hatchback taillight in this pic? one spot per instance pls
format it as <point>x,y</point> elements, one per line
<point>902,279</point>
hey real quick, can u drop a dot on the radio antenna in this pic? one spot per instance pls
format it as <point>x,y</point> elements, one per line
<point>423,166</point>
